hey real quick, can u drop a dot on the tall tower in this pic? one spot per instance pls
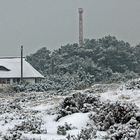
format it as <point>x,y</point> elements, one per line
<point>81,27</point>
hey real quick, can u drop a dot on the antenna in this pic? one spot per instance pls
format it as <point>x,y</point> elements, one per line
<point>80,10</point>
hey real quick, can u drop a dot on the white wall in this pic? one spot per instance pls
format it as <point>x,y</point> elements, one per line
<point>32,81</point>
<point>12,81</point>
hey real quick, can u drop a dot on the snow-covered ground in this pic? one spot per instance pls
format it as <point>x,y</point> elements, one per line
<point>18,108</point>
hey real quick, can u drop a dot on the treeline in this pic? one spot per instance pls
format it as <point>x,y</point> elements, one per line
<point>102,60</point>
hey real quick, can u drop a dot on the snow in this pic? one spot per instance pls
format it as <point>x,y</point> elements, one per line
<point>45,137</point>
<point>9,125</point>
<point>46,107</point>
<point>78,120</point>
<point>123,95</point>
<point>14,65</point>
<point>42,107</point>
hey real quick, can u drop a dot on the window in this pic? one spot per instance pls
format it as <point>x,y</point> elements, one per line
<point>5,81</point>
<point>16,80</point>
<point>2,81</point>
<point>8,81</point>
<point>2,68</point>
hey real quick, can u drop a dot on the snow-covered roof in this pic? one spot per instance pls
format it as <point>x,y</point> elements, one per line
<point>13,69</point>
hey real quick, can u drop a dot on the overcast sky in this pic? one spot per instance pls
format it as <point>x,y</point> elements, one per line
<point>52,23</point>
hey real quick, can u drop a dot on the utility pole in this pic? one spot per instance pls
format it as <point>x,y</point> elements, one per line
<point>21,80</point>
<point>80,10</point>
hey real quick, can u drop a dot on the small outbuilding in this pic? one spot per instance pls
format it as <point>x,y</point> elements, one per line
<point>10,71</point>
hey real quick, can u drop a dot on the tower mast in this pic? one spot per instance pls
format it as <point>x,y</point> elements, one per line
<point>81,27</point>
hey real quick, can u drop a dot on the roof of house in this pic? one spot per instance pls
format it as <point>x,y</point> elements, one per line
<point>10,67</point>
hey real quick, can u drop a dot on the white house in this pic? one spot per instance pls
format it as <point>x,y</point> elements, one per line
<point>10,71</point>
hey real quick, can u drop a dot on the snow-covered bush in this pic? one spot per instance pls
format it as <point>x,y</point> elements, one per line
<point>112,113</point>
<point>124,131</point>
<point>57,82</point>
<point>133,84</point>
<point>40,87</point>
<point>85,134</point>
<point>120,120</point>
<point>78,102</point>
<point>12,136</point>
<point>61,130</point>
<point>32,125</point>
<point>76,81</point>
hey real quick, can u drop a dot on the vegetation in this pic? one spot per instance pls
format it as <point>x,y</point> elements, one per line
<point>103,60</point>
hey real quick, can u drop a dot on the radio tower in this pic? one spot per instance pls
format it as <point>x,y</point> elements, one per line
<point>81,27</point>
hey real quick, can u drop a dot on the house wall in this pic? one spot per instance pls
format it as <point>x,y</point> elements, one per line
<point>16,80</point>
<point>32,81</point>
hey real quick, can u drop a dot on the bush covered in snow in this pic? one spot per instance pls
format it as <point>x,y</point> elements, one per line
<point>12,136</point>
<point>56,82</point>
<point>66,82</point>
<point>120,120</point>
<point>39,87</point>
<point>62,129</point>
<point>85,134</point>
<point>78,102</point>
<point>133,84</point>
<point>111,113</point>
<point>30,126</point>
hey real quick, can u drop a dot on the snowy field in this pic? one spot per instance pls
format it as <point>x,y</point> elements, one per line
<point>33,116</point>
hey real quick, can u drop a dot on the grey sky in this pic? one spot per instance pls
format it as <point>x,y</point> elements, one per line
<point>52,23</point>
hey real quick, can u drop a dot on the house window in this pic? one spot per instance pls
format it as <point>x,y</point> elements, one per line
<point>2,68</point>
<point>8,81</point>
<point>2,81</point>
<point>16,80</point>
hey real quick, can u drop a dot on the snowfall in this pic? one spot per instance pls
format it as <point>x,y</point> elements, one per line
<point>41,108</point>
